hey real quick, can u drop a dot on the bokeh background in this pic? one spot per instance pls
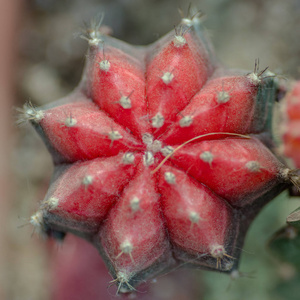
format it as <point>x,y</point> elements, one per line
<point>41,59</point>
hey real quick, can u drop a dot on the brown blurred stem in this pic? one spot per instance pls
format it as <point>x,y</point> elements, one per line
<point>9,21</point>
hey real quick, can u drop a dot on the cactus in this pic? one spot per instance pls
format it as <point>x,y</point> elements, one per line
<point>285,242</point>
<point>291,125</point>
<point>163,157</point>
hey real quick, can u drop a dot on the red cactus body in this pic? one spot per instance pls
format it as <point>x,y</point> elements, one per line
<point>162,157</point>
<point>291,135</point>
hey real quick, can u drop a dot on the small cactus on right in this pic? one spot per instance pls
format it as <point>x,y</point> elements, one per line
<point>285,243</point>
<point>291,124</point>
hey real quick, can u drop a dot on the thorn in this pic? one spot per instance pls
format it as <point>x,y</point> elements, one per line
<point>126,248</point>
<point>37,220</point>
<point>135,204</point>
<point>92,33</point>
<point>122,278</point>
<point>167,150</point>
<point>114,135</point>
<point>193,16</point>
<point>228,265</point>
<point>207,156</point>
<point>155,147</point>
<point>29,113</point>
<point>148,158</point>
<point>70,122</point>
<point>181,13</point>
<point>292,176</point>
<point>147,138</point>
<point>167,77</point>
<point>194,218</point>
<point>170,178</point>
<point>128,158</point>
<point>218,252</point>
<point>87,180</point>
<point>51,203</point>
<point>186,121</point>
<point>179,41</point>
<point>104,65</point>
<point>223,97</point>
<point>255,76</point>
<point>253,166</point>
<point>235,274</point>
<point>158,121</point>
<point>125,101</point>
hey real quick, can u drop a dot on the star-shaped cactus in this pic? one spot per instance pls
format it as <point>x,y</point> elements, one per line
<point>162,156</point>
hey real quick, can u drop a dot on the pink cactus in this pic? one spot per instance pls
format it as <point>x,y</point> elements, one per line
<point>162,156</point>
<point>291,126</point>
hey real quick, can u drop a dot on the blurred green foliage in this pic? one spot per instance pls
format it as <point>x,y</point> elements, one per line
<point>266,273</point>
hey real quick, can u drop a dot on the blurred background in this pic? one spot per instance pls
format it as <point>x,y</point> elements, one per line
<point>41,59</point>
